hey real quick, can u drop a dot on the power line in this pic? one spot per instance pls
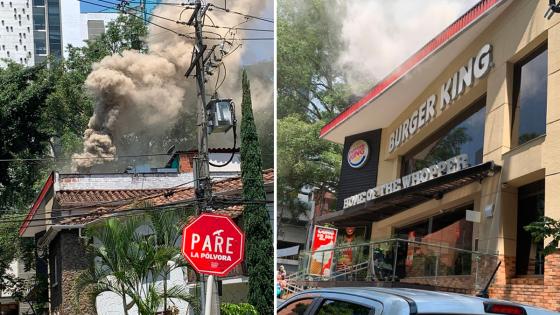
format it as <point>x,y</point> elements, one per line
<point>139,17</point>
<point>171,20</point>
<point>241,28</point>
<point>164,191</point>
<point>134,211</point>
<point>141,11</point>
<point>82,158</point>
<point>243,14</point>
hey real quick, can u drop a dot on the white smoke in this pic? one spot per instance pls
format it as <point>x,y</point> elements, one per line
<point>379,35</point>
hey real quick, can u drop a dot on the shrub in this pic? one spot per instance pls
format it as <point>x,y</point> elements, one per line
<point>238,309</point>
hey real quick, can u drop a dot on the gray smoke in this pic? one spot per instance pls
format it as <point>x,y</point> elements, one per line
<point>379,35</point>
<point>137,94</point>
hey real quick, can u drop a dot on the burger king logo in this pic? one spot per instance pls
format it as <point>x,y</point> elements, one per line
<point>358,154</point>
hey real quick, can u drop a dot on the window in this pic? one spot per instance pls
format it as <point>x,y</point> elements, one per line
<point>40,43</point>
<point>55,41</point>
<point>38,2</point>
<point>330,307</point>
<point>529,97</point>
<point>463,135</point>
<point>296,308</point>
<point>530,207</point>
<point>38,19</point>
<point>449,229</point>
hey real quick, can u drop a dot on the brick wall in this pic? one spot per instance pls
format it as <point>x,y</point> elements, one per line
<point>542,291</point>
<point>71,259</point>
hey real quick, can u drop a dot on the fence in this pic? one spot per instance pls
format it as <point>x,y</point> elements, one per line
<point>397,260</point>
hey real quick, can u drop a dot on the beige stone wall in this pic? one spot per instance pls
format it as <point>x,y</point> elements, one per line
<point>520,29</point>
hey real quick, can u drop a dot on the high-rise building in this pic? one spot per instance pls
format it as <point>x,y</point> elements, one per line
<point>31,30</point>
<point>16,31</point>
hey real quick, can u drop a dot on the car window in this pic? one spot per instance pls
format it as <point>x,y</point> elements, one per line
<point>296,308</point>
<point>330,307</point>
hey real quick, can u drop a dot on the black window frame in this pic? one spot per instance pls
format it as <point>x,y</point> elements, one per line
<point>516,86</point>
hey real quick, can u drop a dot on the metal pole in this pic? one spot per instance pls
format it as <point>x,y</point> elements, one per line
<point>395,261</point>
<point>209,291</point>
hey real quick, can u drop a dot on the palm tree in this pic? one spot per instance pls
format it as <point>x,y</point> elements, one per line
<point>131,255</point>
<point>110,269</point>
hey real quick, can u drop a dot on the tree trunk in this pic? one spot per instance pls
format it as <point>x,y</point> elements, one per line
<point>124,301</point>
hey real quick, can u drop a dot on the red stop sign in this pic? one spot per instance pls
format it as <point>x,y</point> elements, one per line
<point>213,244</point>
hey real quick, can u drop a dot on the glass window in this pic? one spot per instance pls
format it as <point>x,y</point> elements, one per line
<point>530,207</point>
<point>55,41</point>
<point>296,308</point>
<point>330,307</point>
<point>450,230</point>
<point>464,135</point>
<point>38,18</point>
<point>530,79</point>
<point>40,41</point>
<point>38,2</point>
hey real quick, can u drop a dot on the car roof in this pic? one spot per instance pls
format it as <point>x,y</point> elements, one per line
<point>424,301</point>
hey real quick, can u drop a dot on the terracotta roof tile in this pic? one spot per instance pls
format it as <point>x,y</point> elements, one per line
<point>88,198</point>
<point>228,187</point>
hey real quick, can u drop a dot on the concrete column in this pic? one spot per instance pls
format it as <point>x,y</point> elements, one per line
<point>497,126</point>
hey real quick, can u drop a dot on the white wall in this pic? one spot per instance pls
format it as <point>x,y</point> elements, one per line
<point>85,17</point>
<point>10,37</point>
<point>70,24</point>
<point>74,23</point>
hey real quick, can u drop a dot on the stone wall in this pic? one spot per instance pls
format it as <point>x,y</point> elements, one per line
<point>71,259</point>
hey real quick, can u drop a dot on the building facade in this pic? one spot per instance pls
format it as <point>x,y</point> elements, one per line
<point>68,203</point>
<point>31,30</point>
<point>457,149</point>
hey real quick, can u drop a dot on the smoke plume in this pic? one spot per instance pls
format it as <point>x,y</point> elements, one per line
<point>139,93</point>
<point>379,35</point>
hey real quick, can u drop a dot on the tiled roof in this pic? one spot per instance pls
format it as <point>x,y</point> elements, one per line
<point>95,197</point>
<point>225,187</point>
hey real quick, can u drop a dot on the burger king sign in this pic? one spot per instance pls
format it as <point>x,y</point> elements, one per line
<point>358,154</point>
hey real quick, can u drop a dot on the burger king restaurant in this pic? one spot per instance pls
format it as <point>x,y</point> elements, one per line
<point>458,148</point>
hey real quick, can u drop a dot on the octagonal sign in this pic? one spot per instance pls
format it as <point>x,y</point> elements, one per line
<point>213,244</point>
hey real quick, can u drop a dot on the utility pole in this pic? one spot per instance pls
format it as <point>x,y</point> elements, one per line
<point>203,186</point>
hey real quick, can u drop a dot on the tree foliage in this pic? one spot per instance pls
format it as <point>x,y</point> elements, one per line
<point>44,110</point>
<point>306,160</point>
<point>309,42</point>
<point>546,228</point>
<point>238,309</point>
<point>311,91</point>
<point>256,222</point>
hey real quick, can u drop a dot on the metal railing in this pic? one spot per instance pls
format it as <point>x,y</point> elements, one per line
<point>396,260</point>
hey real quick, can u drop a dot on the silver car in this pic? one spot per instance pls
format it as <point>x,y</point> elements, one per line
<point>384,301</point>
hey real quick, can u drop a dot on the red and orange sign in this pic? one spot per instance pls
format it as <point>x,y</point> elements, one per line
<point>358,154</point>
<point>324,240</point>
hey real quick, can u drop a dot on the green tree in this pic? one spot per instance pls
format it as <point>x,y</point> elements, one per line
<point>306,160</point>
<point>311,91</point>
<point>546,228</point>
<point>309,44</point>
<point>256,222</point>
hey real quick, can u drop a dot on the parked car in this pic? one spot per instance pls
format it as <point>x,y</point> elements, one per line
<point>385,301</point>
